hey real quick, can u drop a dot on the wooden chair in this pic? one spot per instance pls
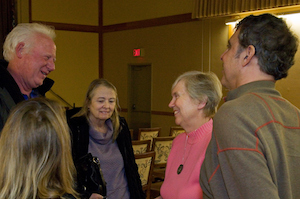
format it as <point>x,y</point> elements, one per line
<point>145,164</point>
<point>176,130</point>
<point>131,133</point>
<point>162,147</point>
<point>155,189</point>
<point>148,134</point>
<point>141,146</point>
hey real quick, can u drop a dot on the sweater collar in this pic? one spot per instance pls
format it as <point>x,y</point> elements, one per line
<point>196,135</point>
<point>257,86</point>
<point>101,137</point>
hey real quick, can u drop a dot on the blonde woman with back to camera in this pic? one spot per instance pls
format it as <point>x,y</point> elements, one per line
<point>35,150</point>
<point>195,97</point>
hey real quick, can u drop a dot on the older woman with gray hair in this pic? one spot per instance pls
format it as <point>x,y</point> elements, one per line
<point>195,97</point>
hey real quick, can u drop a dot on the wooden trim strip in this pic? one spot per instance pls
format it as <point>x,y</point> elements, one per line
<point>125,110</point>
<point>120,27</point>
<point>30,11</point>
<point>100,38</point>
<point>162,113</point>
<point>149,23</point>
<point>71,27</point>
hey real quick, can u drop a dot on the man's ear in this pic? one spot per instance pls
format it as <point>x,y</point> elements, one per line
<point>250,52</point>
<point>20,49</point>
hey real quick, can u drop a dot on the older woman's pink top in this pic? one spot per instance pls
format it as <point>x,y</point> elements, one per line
<point>189,150</point>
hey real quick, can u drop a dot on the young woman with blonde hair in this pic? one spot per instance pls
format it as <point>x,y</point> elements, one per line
<point>35,153</point>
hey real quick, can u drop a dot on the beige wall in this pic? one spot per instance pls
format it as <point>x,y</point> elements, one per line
<point>77,52</point>
<point>115,12</point>
<point>66,11</point>
<point>170,49</point>
<point>76,65</point>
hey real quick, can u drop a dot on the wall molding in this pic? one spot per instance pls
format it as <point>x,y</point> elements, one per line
<point>182,18</point>
<point>125,110</point>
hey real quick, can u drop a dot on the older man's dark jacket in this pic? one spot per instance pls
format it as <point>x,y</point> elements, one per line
<point>10,93</point>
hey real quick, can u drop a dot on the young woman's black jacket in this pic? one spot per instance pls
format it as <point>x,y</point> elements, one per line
<point>80,137</point>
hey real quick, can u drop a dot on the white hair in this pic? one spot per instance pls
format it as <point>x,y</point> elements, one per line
<point>24,32</point>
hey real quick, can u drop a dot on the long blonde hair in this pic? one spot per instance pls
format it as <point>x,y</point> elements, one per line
<point>84,111</point>
<point>35,150</point>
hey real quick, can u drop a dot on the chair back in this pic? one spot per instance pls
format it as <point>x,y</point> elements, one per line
<point>141,146</point>
<point>131,133</point>
<point>148,134</point>
<point>145,164</point>
<point>162,147</point>
<point>176,130</point>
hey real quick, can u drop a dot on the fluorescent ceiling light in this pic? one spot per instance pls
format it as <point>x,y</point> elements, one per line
<point>289,16</point>
<point>231,23</point>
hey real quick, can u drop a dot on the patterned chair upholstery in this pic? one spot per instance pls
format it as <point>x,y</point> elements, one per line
<point>148,134</point>
<point>141,146</point>
<point>176,130</point>
<point>162,147</point>
<point>145,164</point>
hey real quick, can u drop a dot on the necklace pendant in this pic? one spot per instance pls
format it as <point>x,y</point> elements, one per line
<point>179,169</point>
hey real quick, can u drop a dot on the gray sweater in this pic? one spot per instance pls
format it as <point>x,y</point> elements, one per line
<point>255,146</point>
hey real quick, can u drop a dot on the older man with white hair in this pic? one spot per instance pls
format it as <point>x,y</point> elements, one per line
<point>30,53</point>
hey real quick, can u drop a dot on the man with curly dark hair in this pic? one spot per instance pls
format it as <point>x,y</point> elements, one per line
<point>255,150</point>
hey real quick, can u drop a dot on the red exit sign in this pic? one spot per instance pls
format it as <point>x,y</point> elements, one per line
<point>138,52</point>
